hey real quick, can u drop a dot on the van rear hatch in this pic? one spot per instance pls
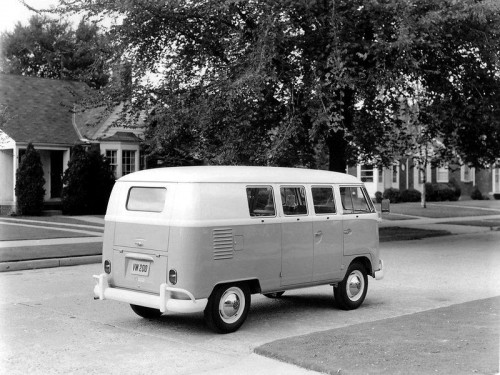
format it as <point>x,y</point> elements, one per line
<point>141,235</point>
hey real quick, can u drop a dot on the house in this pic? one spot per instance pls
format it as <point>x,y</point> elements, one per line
<point>405,175</point>
<point>46,113</point>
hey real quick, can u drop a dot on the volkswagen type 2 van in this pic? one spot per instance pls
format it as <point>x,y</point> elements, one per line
<point>204,239</point>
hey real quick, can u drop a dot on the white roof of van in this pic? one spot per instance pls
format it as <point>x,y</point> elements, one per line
<point>264,175</point>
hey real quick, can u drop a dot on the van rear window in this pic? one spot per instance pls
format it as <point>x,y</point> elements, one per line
<point>148,199</point>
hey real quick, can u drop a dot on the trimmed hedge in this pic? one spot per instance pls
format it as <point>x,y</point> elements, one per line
<point>392,194</point>
<point>29,183</point>
<point>437,192</point>
<point>411,195</point>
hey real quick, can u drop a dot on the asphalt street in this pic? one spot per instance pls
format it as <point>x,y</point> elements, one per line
<point>50,324</point>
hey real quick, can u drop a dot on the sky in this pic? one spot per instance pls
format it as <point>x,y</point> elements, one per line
<point>13,11</point>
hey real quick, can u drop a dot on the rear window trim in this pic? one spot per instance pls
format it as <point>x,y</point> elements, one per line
<point>146,187</point>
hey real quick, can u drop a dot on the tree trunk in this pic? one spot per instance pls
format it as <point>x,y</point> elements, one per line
<point>423,201</point>
<point>336,151</point>
<point>337,145</point>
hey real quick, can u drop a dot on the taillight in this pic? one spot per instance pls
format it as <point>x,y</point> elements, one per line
<point>172,276</point>
<point>107,266</point>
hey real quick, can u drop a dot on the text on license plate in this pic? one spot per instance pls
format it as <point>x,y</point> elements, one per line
<point>140,268</point>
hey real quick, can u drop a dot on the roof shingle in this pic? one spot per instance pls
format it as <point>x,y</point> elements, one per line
<point>40,110</point>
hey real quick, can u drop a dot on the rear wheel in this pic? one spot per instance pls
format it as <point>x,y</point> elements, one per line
<point>227,307</point>
<point>274,295</point>
<point>146,312</point>
<point>351,292</point>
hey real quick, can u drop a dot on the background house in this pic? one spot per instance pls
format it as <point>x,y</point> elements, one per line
<point>405,175</point>
<point>46,113</point>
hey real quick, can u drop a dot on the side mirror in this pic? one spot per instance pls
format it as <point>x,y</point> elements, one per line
<point>386,205</point>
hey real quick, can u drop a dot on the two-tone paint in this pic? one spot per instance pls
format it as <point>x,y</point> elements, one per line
<point>206,235</point>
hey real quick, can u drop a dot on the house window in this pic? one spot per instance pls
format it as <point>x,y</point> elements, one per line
<point>380,175</point>
<point>442,174</point>
<point>395,174</point>
<point>366,174</point>
<point>128,162</point>
<point>113,161</point>
<point>467,173</point>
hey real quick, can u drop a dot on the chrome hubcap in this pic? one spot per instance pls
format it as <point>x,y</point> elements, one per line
<point>355,285</point>
<point>231,305</point>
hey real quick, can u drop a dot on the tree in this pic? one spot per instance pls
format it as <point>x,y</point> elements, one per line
<point>286,82</point>
<point>51,48</point>
<point>88,182</point>
<point>29,183</point>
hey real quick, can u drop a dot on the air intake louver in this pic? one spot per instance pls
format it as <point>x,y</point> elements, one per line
<point>223,243</point>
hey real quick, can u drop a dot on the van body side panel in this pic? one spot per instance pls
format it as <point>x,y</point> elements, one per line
<point>261,254</point>
<point>190,254</point>
<point>297,250</point>
<point>195,254</point>
<point>328,248</point>
<point>360,233</point>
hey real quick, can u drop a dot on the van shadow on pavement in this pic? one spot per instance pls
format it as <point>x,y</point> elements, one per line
<point>458,339</point>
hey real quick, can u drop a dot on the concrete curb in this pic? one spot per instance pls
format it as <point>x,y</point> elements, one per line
<point>49,263</point>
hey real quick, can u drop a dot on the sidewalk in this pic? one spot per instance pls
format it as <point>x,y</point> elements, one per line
<point>52,241</point>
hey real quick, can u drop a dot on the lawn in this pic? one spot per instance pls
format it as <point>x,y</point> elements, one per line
<point>443,209</point>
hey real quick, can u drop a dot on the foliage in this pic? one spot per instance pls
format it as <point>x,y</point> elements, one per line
<point>286,82</point>
<point>437,192</point>
<point>88,182</point>
<point>392,194</point>
<point>50,48</point>
<point>411,195</point>
<point>476,194</point>
<point>29,183</point>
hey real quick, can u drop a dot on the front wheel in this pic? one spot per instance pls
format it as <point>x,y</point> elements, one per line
<point>351,291</point>
<point>227,307</point>
<point>146,312</point>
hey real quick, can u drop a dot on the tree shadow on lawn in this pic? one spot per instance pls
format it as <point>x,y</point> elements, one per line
<point>388,234</point>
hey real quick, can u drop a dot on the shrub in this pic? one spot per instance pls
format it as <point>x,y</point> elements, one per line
<point>457,191</point>
<point>378,197</point>
<point>411,195</point>
<point>392,194</point>
<point>441,192</point>
<point>87,183</point>
<point>476,194</point>
<point>29,183</point>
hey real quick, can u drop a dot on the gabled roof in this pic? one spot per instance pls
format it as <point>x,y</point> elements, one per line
<point>40,110</point>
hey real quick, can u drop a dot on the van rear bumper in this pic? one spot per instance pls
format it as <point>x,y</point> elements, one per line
<point>162,302</point>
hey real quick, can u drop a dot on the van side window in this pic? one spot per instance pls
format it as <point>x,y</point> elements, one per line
<point>261,201</point>
<point>148,199</point>
<point>354,201</point>
<point>294,200</point>
<point>323,200</point>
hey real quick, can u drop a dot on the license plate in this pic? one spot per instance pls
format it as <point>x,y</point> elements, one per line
<point>140,268</point>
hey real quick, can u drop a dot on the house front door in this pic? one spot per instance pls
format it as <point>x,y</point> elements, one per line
<point>56,171</point>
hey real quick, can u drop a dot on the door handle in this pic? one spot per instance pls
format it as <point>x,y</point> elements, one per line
<point>318,233</point>
<point>347,231</point>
